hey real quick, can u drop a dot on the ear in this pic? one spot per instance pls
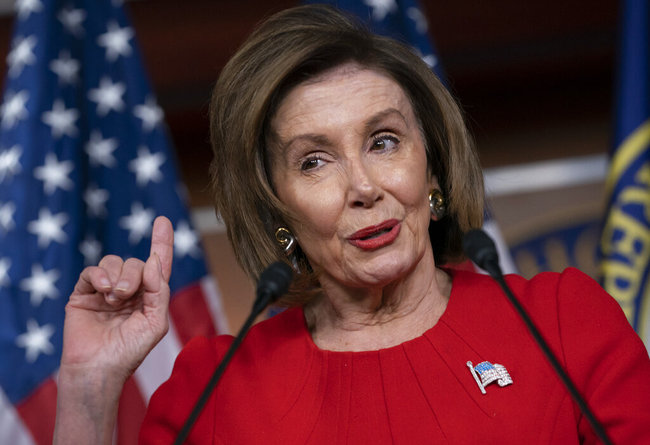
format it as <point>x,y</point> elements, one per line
<point>433,183</point>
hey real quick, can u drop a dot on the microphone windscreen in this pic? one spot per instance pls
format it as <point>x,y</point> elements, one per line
<point>275,280</point>
<point>480,248</point>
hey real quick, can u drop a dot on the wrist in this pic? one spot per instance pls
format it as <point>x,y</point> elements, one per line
<point>87,403</point>
<point>98,379</point>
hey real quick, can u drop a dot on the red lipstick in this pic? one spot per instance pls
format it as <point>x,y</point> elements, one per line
<point>374,237</point>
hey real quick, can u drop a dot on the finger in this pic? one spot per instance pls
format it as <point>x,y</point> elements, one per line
<point>130,278</point>
<point>162,245</point>
<point>93,279</point>
<point>156,295</point>
<point>112,264</point>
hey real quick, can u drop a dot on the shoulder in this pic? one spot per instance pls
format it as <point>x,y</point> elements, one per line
<point>571,286</point>
<point>272,348</point>
<point>264,341</point>
<point>173,401</point>
<point>565,306</point>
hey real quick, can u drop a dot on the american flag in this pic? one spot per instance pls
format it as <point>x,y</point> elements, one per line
<point>85,166</point>
<point>402,20</point>
<point>405,21</point>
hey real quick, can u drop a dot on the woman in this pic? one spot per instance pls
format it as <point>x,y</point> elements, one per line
<point>340,152</point>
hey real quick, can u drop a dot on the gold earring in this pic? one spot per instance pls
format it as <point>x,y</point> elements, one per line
<point>437,204</point>
<point>286,240</point>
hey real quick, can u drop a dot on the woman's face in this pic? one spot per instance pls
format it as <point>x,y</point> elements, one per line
<point>347,157</point>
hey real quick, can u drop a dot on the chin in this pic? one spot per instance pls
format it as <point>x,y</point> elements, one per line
<point>383,273</point>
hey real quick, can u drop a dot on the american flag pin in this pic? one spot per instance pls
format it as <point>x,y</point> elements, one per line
<point>485,373</point>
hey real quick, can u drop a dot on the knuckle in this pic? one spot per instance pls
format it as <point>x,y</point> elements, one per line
<point>110,261</point>
<point>134,262</point>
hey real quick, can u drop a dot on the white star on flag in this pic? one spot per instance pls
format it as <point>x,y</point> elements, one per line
<point>100,151</point>
<point>21,55</point>
<point>71,19</point>
<point>13,109</point>
<point>108,96</point>
<point>5,264</point>
<point>48,227</point>
<point>150,113</point>
<point>40,285</point>
<point>66,68</point>
<point>431,60</point>
<point>91,249</point>
<point>10,162</point>
<point>138,223</point>
<point>61,119</point>
<point>7,211</point>
<point>24,8</point>
<point>419,19</point>
<point>36,340</point>
<point>185,240</point>
<point>147,166</point>
<point>54,174</point>
<point>116,41</point>
<point>381,8</point>
<point>96,200</point>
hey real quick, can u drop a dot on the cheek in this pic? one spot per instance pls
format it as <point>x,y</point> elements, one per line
<point>317,210</point>
<point>411,185</point>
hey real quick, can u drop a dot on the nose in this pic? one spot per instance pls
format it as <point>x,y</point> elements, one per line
<point>364,190</point>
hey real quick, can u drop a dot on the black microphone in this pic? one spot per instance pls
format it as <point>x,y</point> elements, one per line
<point>480,248</point>
<point>273,283</point>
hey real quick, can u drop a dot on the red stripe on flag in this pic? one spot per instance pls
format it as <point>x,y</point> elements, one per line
<point>38,412</point>
<point>191,314</point>
<point>130,414</point>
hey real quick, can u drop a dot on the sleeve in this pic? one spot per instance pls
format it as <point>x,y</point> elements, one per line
<point>606,360</point>
<point>174,400</point>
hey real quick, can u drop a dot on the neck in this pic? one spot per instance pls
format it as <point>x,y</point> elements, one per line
<point>370,319</point>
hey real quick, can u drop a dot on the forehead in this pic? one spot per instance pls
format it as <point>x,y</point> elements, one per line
<point>339,96</point>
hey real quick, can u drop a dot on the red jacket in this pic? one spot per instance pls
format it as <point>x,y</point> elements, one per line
<point>281,389</point>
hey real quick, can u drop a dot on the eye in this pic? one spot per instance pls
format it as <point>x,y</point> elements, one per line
<point>311,163</point>
<point>383,142</point>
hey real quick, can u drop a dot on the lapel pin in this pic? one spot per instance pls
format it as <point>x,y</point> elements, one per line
<point>485,373</point>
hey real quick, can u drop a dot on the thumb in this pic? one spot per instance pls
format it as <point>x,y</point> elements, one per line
<point>162,245</point>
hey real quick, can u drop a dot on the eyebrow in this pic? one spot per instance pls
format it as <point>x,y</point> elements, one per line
<point>315,138</point>
<point>377,118</point>
<point>322,140</point>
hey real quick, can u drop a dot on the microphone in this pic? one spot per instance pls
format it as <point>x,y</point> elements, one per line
<point>480,248</point>
<point>274,282</point>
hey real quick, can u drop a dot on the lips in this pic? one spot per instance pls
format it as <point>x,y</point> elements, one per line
<point>374,237</point>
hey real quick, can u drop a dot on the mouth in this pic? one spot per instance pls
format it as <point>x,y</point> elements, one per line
<point>376,236</point>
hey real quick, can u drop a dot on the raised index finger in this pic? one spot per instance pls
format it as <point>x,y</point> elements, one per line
<point>162,244</point>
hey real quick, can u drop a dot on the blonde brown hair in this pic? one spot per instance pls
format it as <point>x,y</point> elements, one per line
<point>287,49</point>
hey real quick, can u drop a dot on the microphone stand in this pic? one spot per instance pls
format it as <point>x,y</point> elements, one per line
<point>270,287</point>
<point>489,261</point>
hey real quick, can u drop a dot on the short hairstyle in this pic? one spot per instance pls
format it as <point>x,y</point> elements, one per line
<point>285,50</point>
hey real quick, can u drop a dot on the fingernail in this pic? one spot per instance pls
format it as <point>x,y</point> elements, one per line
<point>105,283</point>
<point>122,286</point>
<point>111,298</point>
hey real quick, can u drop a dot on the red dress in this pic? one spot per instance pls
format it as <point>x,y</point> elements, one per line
<point>281,389</point>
